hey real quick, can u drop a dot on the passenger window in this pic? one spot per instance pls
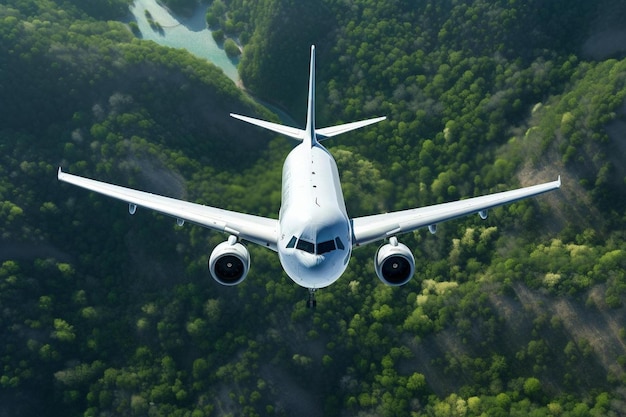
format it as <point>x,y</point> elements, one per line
<point>292,242</point>
<point>305,246</point>
<point>327,246</point>
<point>339,243</point>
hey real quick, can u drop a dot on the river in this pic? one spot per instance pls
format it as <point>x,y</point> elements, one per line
<point>190,33</point>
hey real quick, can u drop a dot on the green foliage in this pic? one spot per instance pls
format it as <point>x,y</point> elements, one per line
<point>276,50</point>
<point>106,314</point>
<point>218,35</point>
<point>231,48</point>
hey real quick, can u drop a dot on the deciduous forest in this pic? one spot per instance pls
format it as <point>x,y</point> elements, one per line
<point>522,314</point>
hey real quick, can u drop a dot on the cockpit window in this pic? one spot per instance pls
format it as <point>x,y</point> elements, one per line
<point>319,248</point>
<point>305,246</point>
<point>324,247</point>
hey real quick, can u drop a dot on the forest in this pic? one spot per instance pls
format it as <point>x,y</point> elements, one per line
<point>522,314</point>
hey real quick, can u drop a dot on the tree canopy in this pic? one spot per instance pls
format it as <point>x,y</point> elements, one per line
<point>107,314</point>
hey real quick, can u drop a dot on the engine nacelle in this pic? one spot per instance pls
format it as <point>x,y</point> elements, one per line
<point>394,263</point>
<point>229,262</point>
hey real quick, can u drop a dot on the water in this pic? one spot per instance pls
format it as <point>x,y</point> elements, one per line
<point>190,33</point>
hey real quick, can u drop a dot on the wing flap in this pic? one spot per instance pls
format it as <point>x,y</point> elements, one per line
<point>379,226</point>
<point>260,230</point>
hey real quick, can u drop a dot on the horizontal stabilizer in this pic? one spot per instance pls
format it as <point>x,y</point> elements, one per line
<point>296,133</point>
<point>275,127</point>
<point>331,131</point>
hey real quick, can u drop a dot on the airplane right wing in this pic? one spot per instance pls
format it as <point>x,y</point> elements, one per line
<point>380,226</point>
<point>260,230</point>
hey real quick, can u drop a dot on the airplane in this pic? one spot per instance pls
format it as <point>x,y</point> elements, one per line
<point>314,236</point>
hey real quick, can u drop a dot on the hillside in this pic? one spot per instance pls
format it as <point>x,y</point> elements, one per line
<point>103,313</point>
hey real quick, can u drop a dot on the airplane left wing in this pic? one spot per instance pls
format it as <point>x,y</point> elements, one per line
<point>256,229</point>
<point>380,226</point>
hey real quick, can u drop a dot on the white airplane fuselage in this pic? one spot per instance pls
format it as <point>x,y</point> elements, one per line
<point>315,237</point>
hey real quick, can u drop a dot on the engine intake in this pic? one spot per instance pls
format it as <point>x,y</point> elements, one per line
<point>229,262</point>
<point>394,263</point>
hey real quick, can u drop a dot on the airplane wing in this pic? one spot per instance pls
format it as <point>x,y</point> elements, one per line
<point>379,226</point>
<point>260,230</point>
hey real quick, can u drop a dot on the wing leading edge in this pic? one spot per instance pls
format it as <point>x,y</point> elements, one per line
<point>260,230</point>
<point>368,229</point>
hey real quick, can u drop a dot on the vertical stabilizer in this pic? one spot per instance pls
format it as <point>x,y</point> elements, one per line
<point>309,136</point>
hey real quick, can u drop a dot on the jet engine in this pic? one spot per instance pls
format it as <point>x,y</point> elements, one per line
<point>394,263</point>
<point>229,262</point>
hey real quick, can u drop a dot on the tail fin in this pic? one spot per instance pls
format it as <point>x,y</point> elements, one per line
<point>309,135</point>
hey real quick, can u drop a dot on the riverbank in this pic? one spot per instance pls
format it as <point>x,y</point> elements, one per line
<point>157,23</point>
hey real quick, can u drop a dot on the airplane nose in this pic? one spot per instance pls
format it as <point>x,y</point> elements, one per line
<point>312,270</point>
<point>310,260</point>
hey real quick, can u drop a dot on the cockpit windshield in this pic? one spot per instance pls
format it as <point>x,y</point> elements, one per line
<point>327,246</point>
<point>315,248</point>
<point>305,246</point>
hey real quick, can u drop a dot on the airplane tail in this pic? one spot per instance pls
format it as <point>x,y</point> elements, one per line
<point>309,135</point>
